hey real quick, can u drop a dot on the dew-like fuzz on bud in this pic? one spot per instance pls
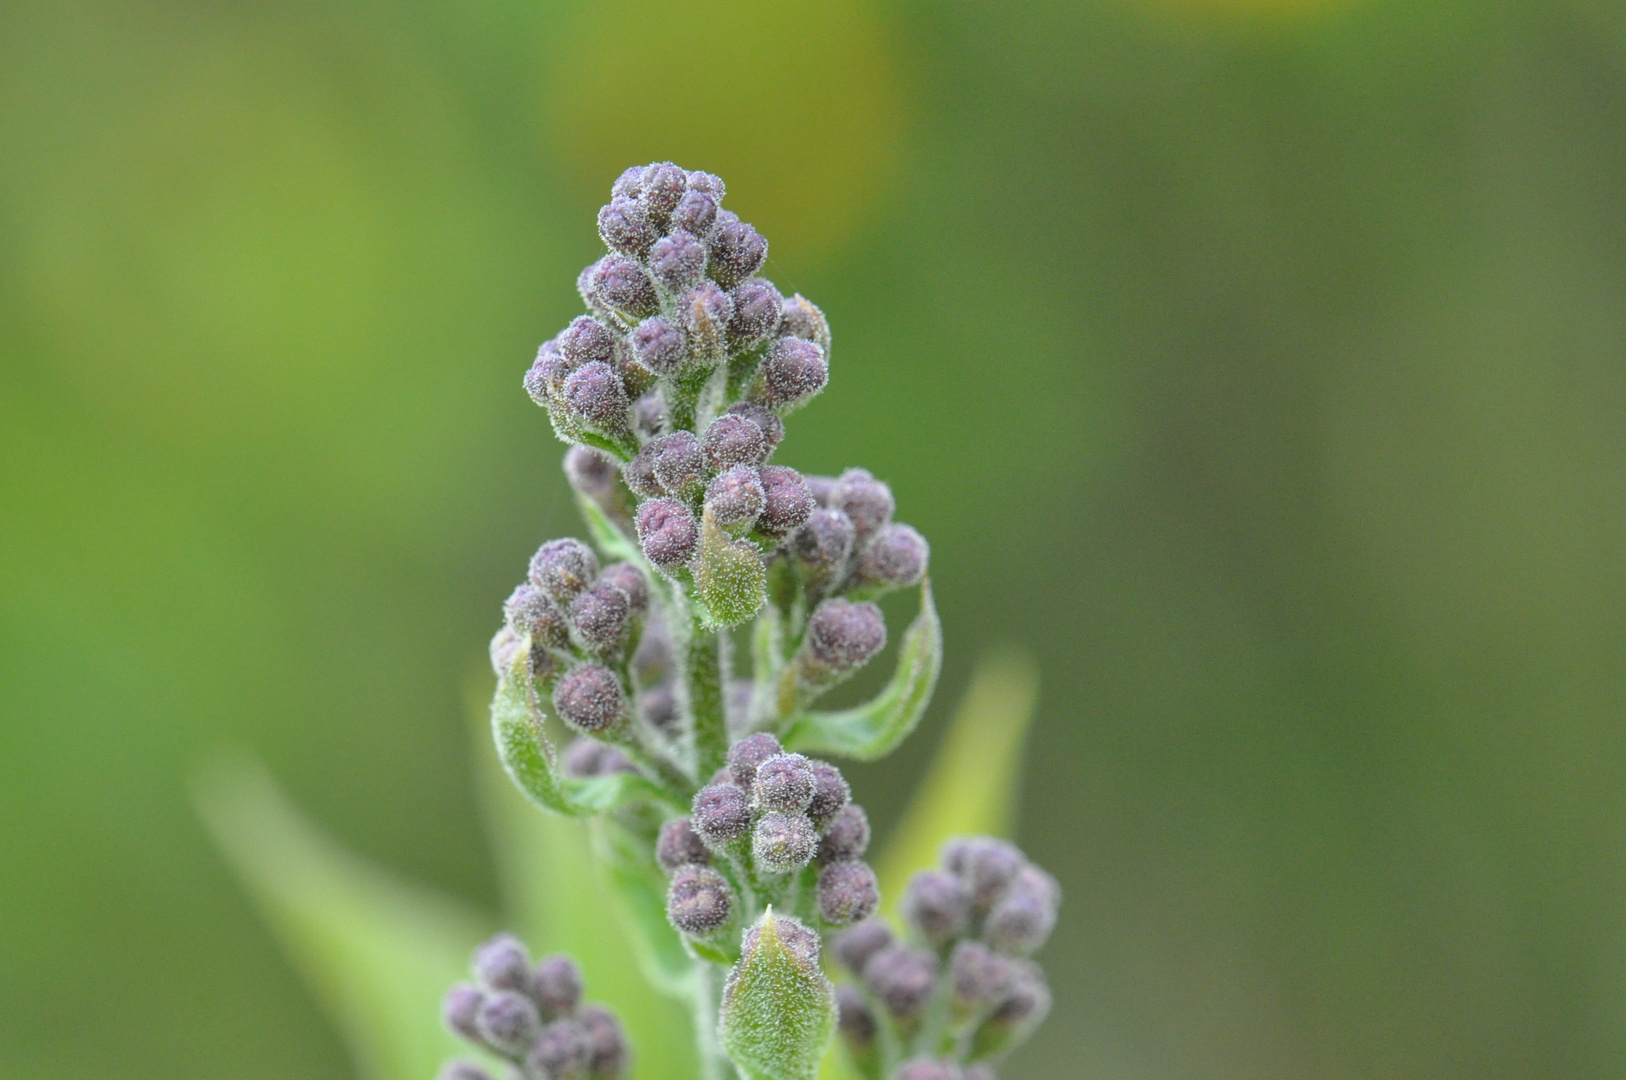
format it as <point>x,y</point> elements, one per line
<point>721,814</point>
<point>630,580</point>
<point>936,905</point>
<point>607,1042</point>
<point>757,307</point>
<point>902,978</point>
<point>699,900</point>
<point>505,647</point>
<point>589,698</point>
<point>677,262</point>
<point>563,568</point>
<point>586,339</point>
<point>855,945</point>
<point>589,472</point>
<point>704,311</point>
<point>894,558</point>
<point>847,892</point>
<point>748,753</point>
<point>594,393</point>
<point>625,227</point>
<point>601,615</point>
<point>866,500</point>
<point>695,213</point>
<point>561,1051</point>
<point>663,184</point>
<point>980,978</point>
<point>502,964</point>
<point>508,1021</point>
<point>1021,920</point>
<point>530,613</point>
<point>586,757</point>
<point>679,461</point>
<point>735,440</point>
<point>782,842</point>
<point>847,836</point>
<point>658,345</point>
<point>679,845</point>
<point>737,252</point>
<point>786,503</point>
<point>854,1019</point>
<point>801,318</point>
<point>667,532</point>
<point>830,794</point>
<point>735,497</point>
<point>842,635</point>
<point>824,542</point>
<point>459,1008</point>
<point>985,866</point>
<point>556,985</point>
<point>793,371</point>
<point>784,782</point>
<point>623,286</point>
<point>768,421</point>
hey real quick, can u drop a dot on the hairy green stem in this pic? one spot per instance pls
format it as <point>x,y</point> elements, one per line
<point>706,662</point>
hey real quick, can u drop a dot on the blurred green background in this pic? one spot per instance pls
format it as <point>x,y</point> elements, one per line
<point>1261,366</point>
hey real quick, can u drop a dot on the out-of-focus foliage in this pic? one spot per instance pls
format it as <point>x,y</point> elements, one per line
<point>1260,369</point>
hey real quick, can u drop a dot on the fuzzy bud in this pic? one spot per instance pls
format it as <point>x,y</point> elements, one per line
<point>772,427</point>
<point>505,647</point>
<point>847,892</point>
<point>662,186</point>
<point>658,345</point>
<point>595,394</point>
<point>459,1008</point>
<point>735,497</point>
<point>679,462</point>
<point>894,558</point>
<point>589,698</point>
<point>539,379</point>
<point>530,613</point>
<point>679,845</point>
<point>747,754</point>
<point>659,708</point>
<point>507,1021</point>
<point>936,905</point>
<point>866,500</point>
<point>737,252</point>
<point>847,836</point>
<point>721,814</point>
<point>985,866</point>
<point>824,543</point>
<point>639,475</point>
<point>1026,1004</point>
<point>586,758</point>
<point>793,371</point>
<point>853,1018</point>
<point>704,312</point>
<point>678,262</point>
<point>590,473</point>
<point>556,984</point>
<point>980,977</point>
<point>707,184</point>
<point>783,782</point>
<point>502,964</point>
<point>757,308</point>
<point>843,636</point>
<point>667,532</point>
<point>831,794</point>
<point>902,978</point>
<point>783,842</point>
<point>735,440</point>
<point>560,1052</point>
<point>601,614</point>
<point>695,213</point>
<point>562,568</point>
<point>1021,920</point>
<point>803,319</point>
<point>786,504</point>
<point>823,488</point>
<point>623,286</point>
<point>629,184</point>
<point>585,340</point>
<point>607,1043</point>
<point>699,900</point>
<point>624,226</point>
<point>855,945</point>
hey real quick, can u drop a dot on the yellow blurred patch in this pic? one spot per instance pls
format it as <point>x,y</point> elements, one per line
<point>795,104</point>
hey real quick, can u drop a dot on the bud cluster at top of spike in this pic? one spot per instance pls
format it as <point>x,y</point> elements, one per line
<point>532,1016</point>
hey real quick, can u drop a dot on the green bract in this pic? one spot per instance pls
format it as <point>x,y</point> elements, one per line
<point>779,1010</point>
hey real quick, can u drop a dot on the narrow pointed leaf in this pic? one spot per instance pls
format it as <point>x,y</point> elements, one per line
<point>874,729</point>
<point>779,1010</point>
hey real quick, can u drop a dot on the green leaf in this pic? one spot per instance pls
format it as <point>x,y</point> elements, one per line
<point>379,953</point>
<point>874,729</point>
<point>779,1010</point>
<point>729,577</point>
<point>972,783</point>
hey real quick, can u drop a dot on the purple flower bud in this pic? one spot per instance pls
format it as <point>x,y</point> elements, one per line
<point>830,794</point>
<point>802,319</point>
<point>895,558</point>
<point>720,814</point>
<point>630,580</point>
<point>783,842</point>
<point>629,184</point>
<point>589,472</point>
<point>586,758</point>
<point>505,646</point>
<point>560,1052</point>
<point>847,837</point>
<point>735,440</point>
<point>588,290</point>
<point>842,635</point>
<point>772,427</point>
<point>847,892</point>
<point>639,474</point>
<point>985,866</point>
<point>704,311</point>
<point>793,371</point>
<point>853,1018</point>
<point>866,500</point>
<point>625,227</point>
<point>980,977</point>
<point>679,845</point>
<point>507,1021</point>
<point>735,497</point>
<point>622,285</point>
<point>658,345</point>
<point>594,393</point>
<point>855,945</point>
<point>556,984</point>
<point>606,1041</point>
<point>784,782</point>
<point>751,751</point>
<point>1028,1001</point>
<point>544,373</point>
<point>737,252</point>
<point>589,698</point>
<point>677,262</point>
<point>652,659</point>
<point>1022,919</point>
<point>707,183</point>
<point>562,568</point>
<point>529,612</point>
<point>823,488</point>
<point>462,1070</point>
<point>824,543</point>
<point>667,532</point>
<point>902,978</point>
<point>543,663</point>
<point>601,614</point>
<point>787,504</point>
<point>699,900</point>
<point>696,213</point>
<point>936,905</point>
<point>757,309</point>
<point>679,460</point>
<point>649,414</point>
<point>658,707</point>
<point>459,1008</point>
<point>663,185</point>
<point>502,964</point>
<point>586,339</point>
<point>921,1068</point>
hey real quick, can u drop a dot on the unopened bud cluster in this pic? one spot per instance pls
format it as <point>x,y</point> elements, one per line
<point>532,1016</point>
<point>960,991</point>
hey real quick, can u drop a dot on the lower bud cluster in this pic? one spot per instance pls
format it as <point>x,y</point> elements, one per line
<point>532,1016</point>
<point>964,969</point>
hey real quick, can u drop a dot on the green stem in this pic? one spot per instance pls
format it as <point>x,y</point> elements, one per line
<point>714,1064</point>
<point>705,673</point>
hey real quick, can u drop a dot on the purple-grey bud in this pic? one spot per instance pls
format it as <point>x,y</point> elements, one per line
<point>679,460</point>
<point>663,185</point>
<point>695,213</point>
<point>699,900</point>
<point>866,500</point>
<point>922,1068</point>
<point>529,612</point>
<point>902,978</point>
<point>737,252</point>
<point>847,836</point>
<point>822,487</point>
<point>783,842</point>
<point>461,1070</point>
<point>842,635</point>
<point>679,845</point>
<point>623,286</point>
<point>757,309</point>
<point>556,985</point>
<point>602,614</point>
<point>803,319</point>
<point>1028,1000</point>
<point>585,758</point>
<point>544,664</point>
<point>549,368</point>
<point>853,1018</point>
<point>667,532</point>
<point>502,964</point>
<point>595,393</point>
<point>589,698</point>
<point>980,977</point>
<point>705,310</point>
<point>787,504</point>
<point>855,945</point>
<point>773,428</point>
<point>658,706</point>
<point>639,474</point>
<point>589,472</point>
<point>793,371</point>
<point>751,751</point>
<point>652,659</point>
<point>784,782</point>
<point>629,184</point>
<point>505,646</point>
<point>586,285</point>
<point>936,905</point>
<point>825,542</point>
<point>624,226</point>
<point>649,414</point>
<point>630,580</point>
<point>459,1008</point>
<point>658,345</point>
<point>508,1021</point>
<point>721,814</point>
<point>606,1040</point>
<point>985,866</point>
<point>1021,920</point>
<point>735,497</point>
<point>830,794</point>
<point>847,892</point>
<point>678,262</point>
<point>894,558</point>
<point>562,568</point>
<point>560,1052</point>
<point>586,339</point>
<point>707,183</point>
<point>735,440</point>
